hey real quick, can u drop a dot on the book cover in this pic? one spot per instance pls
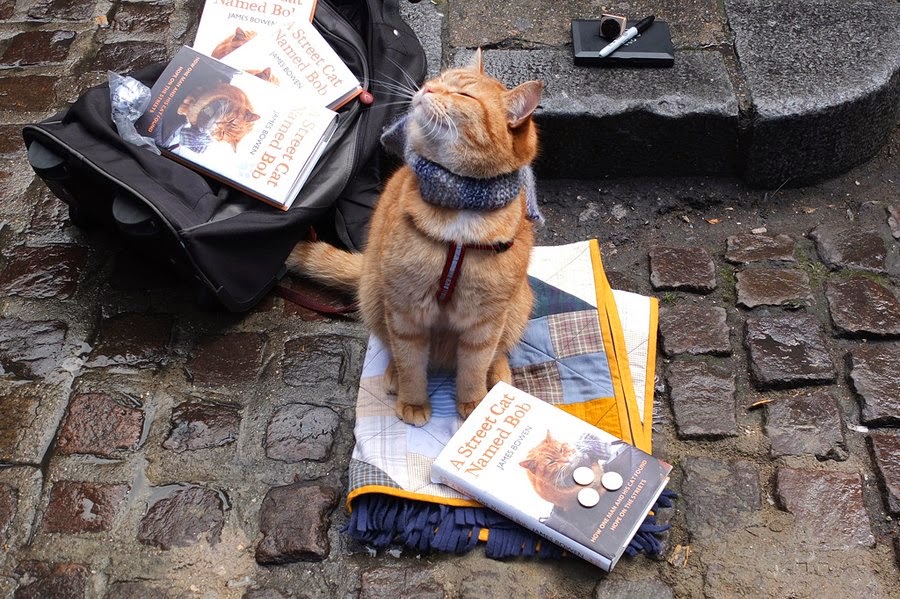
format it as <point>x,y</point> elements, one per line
<point>225,25</point>
<point>236,127</point>
<point>552,473</point>
<point>297,57</point>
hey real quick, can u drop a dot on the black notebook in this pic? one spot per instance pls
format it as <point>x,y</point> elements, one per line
<point>653,48</point>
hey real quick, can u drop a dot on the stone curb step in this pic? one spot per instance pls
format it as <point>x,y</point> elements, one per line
<point>807,90</point>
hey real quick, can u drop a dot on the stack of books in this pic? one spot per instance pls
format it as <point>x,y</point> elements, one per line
<point>253,102</point>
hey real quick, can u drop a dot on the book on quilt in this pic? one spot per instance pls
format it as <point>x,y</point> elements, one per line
<point>553,473</point>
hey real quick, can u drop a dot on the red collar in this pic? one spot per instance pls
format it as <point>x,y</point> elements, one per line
<point>453,265</point>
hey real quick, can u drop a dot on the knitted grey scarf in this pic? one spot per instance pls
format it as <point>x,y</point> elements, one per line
<point>441,187</point>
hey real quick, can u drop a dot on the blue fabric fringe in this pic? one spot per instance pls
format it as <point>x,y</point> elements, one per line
<point>381,520</point>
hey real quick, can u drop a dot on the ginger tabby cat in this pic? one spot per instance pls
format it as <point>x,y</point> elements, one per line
<point>466,188</point>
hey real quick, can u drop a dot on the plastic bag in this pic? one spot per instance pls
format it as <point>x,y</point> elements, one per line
<point>129,98</point>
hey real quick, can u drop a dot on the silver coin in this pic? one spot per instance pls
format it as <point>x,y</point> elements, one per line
<point>611,481</point>
<point>583,475</point>
<point>588,497</point>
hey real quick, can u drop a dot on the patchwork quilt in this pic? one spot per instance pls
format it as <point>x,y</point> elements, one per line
<point>588,349</point>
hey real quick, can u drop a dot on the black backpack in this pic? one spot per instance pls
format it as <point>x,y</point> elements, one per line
<point>233,246</point>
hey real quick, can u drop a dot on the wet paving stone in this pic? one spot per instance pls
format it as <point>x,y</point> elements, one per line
<point>7,8</point>
<point>702,397</point>
<point>873,373</point>
<point>682,268</point>
<point>862,307</point>
<point>264,594</point>
<point>65,10</point>
<point>787,349</point>
<point>122,57</point>
<point>20,493</point>
<point>50,215</point>
<point>720,496</point>
<point>894,220</point>
<point>299,432</point>
<point>885,446</point>
<point>182,517</point>
<point>827,507</point>
<point>142,17</point>
<point>82,507</point>
<point>747,247</point>
<point>135,590</point>
<point>317,360</point>
<point>29,417</point>
<point>694,330</point>
<point>389,583</point>
<point>202,425</point>
<point>37,47</point>
<point>772,287</point>
<point>808,423</point>
<point>11,135</point>
<point>99,425</point>
<point>226,359</point>
<point>844,247</point>
<point>9,499</point>
<point>621,589</point>
<point>46,580</point>
<point>31,349</point>
<point>28,93</point>
<point>294,522</point>
<point>43,272</point>
<point>137,340</point>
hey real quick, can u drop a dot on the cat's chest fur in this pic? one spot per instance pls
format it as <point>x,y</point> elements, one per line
<point>410,241</point>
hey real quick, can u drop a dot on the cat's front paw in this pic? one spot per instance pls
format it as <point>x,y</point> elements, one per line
<point>414,414</point>
<point>466,408</point>
<point>390,379</point>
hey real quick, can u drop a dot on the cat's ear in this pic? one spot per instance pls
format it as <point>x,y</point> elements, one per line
<point>239,34</point>
<point>250,116</point>
<point>527,465</point>
<point>477,63</point>
<point>521,101</point>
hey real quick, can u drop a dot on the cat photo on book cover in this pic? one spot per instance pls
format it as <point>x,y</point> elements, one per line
<point>214,109</point>
<point>550,467</point>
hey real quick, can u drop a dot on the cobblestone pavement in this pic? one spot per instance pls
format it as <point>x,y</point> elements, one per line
<point>149,448</point>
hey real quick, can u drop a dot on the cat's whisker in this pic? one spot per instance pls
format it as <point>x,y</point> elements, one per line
<point>395,92</point>
<point>397,85</point>
<point>406,75</point>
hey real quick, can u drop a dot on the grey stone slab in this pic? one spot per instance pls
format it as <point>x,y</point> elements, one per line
<point>848,247</point>
<point>827,507</point>
<point>426,21</point>
<point>694,330</point>
<point>682,268</point>
<point>787,349</point>
<point>860,307</point>
<point>806,424</point>
<point>720,496</point>
<point>772,287</point>
<point>748,247</point>
<point>536,23</point>
<point>824,77</point>
<point>885,446</point>
<point>874,374</point>
<point>682,120</point>
<point>702,397</point>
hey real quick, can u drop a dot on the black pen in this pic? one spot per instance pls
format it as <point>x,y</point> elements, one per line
<point>630,33</point>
